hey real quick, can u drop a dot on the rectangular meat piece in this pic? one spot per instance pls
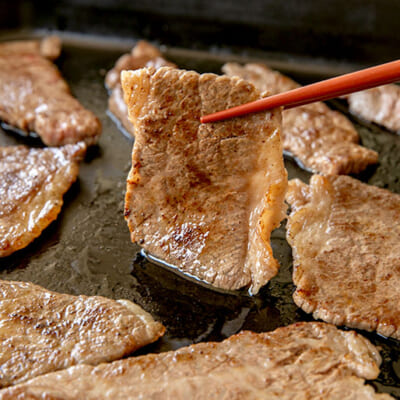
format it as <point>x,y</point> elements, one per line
<point>345,238</point>
<point>321,140</point>
<point>43,331</point>
<point>32,184</point>
<point>35,98</point>
<point>204,197</point>
<point>301,361</point>
<point>380,105</point>
<point>142,55</point>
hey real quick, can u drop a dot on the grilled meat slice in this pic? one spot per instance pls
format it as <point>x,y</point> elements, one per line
<point>142,55</point>
<point>302,361</point>
<point>49,47</point>
<point>345,238</point>
<point>32,185</point>
<point>380,105</point>
<point>321,139</point>
<point>43,331</point>
<point>34,96</point>
<point>204,197</point>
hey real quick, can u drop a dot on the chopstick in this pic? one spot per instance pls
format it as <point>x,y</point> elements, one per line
<point>324,90</point>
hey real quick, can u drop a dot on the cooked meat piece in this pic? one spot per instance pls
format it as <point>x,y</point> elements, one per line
<point>380,105</point>
<point>49,47</point>
<point>43,331</point>
<point>34,96</point>
<point>321,139</point>
<point>204,197</point>
<point>301,361</point>
<point>32,185</point>
<point>142,55</point>
<point>118,108</point>
<point>345,238</point>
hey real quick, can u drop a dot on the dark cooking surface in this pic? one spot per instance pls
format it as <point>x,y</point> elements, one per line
<point>88,249</point>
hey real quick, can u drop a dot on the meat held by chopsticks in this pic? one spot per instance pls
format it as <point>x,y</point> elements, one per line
<point>345,238</point>
<point>380,105</point>
<point>321,139</point>
<point>32,185</point>
<point>43,331</point>
<point>302,361</point>
<point>142,55</point>
<point>204,197</point>
<point>35,98</point>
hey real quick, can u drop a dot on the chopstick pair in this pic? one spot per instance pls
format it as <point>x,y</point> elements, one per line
<point>324,90</point>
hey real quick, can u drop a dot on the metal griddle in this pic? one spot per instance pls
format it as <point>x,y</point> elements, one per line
<point>87,250</point>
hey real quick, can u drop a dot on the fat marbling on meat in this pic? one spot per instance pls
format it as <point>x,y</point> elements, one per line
<point>204,197</point>
<point>35,98</point>
<point>142,55</point>
<point>345,237</point>
<point>321,139</point>
<point>303,361</point>
<point>32,184</point>
<point>43,331</point>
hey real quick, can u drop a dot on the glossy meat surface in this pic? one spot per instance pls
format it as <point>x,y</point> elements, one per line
<point>321,139</point>
<point>142,55</point>
<point>380,105</point>
<point>204,197</point>
<point>35,98</point>
<point>32,184</point>
<point>43,331</point>
<point>345,238</point>
<point>301,361</point>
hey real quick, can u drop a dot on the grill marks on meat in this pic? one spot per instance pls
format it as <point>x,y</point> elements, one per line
<point>32,185</point>
<point>34,96</point>
<point>346,249</point>
<point>305,360</point>
<point>43,331</point>
<point>142,55</point>
<point>321,139</point>
<point>204,197</point>
<point>380,105</point>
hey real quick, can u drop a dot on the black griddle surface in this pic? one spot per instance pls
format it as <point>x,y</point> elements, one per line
<point>87,250</point>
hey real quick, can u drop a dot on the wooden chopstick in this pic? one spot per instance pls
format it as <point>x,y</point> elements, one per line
<point>324,90</point>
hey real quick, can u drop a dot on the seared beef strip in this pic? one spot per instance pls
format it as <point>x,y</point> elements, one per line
<point>321,139</point>
<point>204,197</point>
<point>43,331</point>
<point>32,185</point>
<point>345,237</point>
<point>301,361</point>
<point>142,55</point>
<point>34,96</point>
<point>380,105</point>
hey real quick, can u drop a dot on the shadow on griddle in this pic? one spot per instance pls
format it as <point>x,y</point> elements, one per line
<point>92,153</point>
<point>30,139</point>
<point>194,313</point>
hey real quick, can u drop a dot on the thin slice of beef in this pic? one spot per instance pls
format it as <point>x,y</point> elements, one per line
<point>32,185</point>
<point>322,140</point>
<point>43,331</point>
<point>380,105</point>
<point>142,55</point>
<point>49,47</point>
<point>35,98</point>
<point>345,238</point>
<point>301,361</point>
<point>204,197</point>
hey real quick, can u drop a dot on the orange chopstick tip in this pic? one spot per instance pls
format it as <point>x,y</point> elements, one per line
<point>320,91</point>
